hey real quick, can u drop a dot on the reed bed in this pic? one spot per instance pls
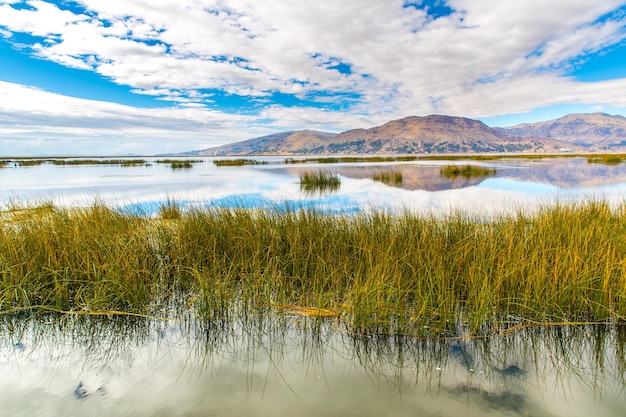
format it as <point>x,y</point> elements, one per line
<point>466,171</point>
<point>237,162</point>
<point>121,162</point>
<point>28,162</point>
<point>421,275</point>
<point>179,163</point>
<point>319,181</point>
<point>388,177</point>
<point>352,159</point>
<point>607,159</point>
<point>499,156</point>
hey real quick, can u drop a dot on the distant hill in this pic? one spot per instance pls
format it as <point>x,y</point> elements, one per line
<point>438,134</point>
<point>599,131</point>
<point>430,134</point>
<point>283,143</point>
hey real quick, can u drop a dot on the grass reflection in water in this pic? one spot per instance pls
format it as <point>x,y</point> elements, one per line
<point>253,362</point>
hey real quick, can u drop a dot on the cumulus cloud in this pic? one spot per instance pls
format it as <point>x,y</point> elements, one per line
<point>354,62</point>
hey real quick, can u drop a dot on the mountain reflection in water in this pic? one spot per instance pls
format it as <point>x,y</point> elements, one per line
<point>275,183</point>
<point>561,173</point>
<point>288,365</point>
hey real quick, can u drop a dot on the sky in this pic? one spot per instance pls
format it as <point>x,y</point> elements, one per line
<point>145,77</point>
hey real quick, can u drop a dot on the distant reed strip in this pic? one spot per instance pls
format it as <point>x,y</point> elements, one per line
<point>379,273</point>
<point>178,163</point>
<point>237,162</point>
<point>122,162</point>
<point>606,159</point>
<point>20,162</point>
<point>352,159</point>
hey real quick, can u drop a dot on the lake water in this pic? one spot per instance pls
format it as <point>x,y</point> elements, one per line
<point>82,366</point>
<point>516,183</point>
<point>298,366</point>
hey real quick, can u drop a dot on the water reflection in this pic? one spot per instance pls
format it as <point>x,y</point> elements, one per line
<point>145,187</point>
<point>297,365</point>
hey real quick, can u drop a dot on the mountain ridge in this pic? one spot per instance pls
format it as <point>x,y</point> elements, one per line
<point>598,130</point>
<point>441,134</point>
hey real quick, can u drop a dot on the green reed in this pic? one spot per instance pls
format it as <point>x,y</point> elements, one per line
<point>29,162</point>
<point>466,171</point>
<point>179,163</point>
<point>606,159</point>
<point>237,162</point>
<point>319,181</point>
<point>377,272</point>
<point>121,162</point>
<point>388,177</point>
<point>352,159</point>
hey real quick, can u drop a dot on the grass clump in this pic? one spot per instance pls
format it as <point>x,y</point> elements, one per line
<point>352,159</point>
<point>467,171</point>
<point>29,162</point>
<point>496,157</point>
<point>388,177</point>
<point>179,163</point>
<point>121,162</point>
<point>170,211</point>
<point>376,273</point>
<point>237,162</point>
<point>607,159</point>
<point>92,259</point>
<point>319,181</point>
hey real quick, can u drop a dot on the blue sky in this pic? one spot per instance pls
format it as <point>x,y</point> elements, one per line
<point>145,77</point>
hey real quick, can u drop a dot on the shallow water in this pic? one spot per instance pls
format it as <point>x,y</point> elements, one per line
<point>299,366</point>
<point>517,183</point>
<point>69,366</point>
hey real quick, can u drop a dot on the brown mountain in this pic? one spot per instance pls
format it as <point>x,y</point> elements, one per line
<point>283,143</point>
<point>596,130</point>
<point>429,134</point>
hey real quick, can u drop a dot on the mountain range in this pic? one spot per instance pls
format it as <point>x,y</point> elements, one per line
<point>440,134</point>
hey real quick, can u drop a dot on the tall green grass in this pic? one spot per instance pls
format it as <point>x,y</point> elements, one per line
<point>388,177</point>
<point>29,162</point>
<point>237,162</point>
<point>606,159</point>
<point>466,171</point>
<point>352,159</point>
<point>122,162</point>
<point>379,273</point>
<point>179,163</point>
<point>319,181</point>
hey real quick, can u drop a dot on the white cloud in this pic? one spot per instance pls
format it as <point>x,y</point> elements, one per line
<point>47,20</point>
<point>29,112</point>
<point>293,118</point>
<point>489,57</point>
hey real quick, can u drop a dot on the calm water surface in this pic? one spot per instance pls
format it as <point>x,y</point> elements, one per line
<point>296,366</point>
<point>517,183</point>
<point>53,366</point>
